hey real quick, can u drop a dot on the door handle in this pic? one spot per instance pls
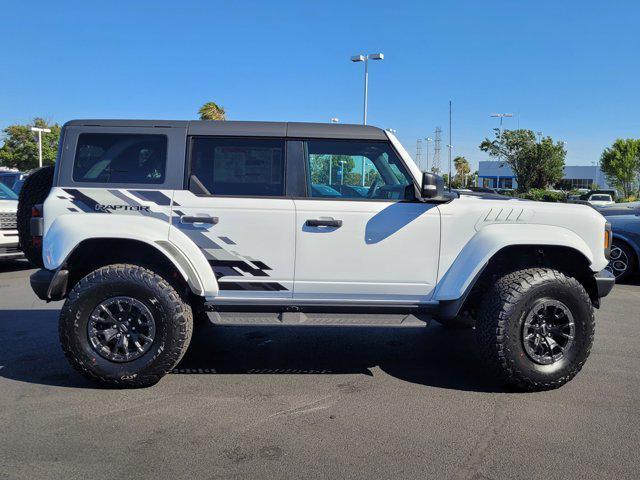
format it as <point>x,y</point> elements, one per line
<point>329,222</point>
<point>194,219</point>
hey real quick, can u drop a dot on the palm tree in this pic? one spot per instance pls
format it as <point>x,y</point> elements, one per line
<point>462,169</point>
<point>212,111</point>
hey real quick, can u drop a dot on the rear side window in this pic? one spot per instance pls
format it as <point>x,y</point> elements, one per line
<point>120,158</point>
<point>251,167</point>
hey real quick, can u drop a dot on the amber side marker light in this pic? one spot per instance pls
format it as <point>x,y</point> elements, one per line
<point>607,240</point>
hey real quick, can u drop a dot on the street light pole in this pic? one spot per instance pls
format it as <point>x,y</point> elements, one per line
<point>450,146</point>
<point>365,59</point>
<point>501,116</point>
<point>40,130</point>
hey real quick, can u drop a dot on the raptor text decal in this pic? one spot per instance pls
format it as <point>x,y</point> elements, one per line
<point>133,208</point>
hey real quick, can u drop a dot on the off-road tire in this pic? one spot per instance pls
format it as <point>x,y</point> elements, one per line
<point>500,321</point>
<point>171,314</point>
<point>34,191</point>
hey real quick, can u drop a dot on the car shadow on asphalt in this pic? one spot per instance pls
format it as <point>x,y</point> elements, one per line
<point>14,265</point>
<point>430,356</point>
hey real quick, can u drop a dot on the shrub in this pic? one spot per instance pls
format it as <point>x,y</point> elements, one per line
<point>541,195</point>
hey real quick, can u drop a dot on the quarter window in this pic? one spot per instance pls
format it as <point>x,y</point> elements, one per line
<point>356,170</point>
<point>238,166</point>
<point>120,158</point>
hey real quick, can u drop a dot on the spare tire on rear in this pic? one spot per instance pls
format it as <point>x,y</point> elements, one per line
<point>34,191</point>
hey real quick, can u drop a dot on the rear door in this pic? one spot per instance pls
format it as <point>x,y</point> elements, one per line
<point>361,236</point>
<point>235,210</point>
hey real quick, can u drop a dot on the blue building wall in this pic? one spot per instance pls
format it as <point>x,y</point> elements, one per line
<point>580,176</point>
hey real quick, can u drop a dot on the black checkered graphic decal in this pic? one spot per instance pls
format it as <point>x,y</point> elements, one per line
<point>223,262</point>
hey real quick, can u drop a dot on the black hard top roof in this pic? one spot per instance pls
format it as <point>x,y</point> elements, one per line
<point>261,129</point>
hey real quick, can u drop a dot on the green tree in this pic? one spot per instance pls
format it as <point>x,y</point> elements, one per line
<point>462,167</point>
<point>621,165</point>
<point>212,111</point>
<point>550,168</point>
<point>455,182</point>
<point>20,147</point>
<point>534,164</point>
<point>320,169</point>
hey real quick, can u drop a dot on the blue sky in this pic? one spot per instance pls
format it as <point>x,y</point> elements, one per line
<point>568,68</point>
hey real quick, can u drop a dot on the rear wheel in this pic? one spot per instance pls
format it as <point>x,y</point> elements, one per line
<point>34,191</point>
<point>535,328</point>
<point>125,326</point>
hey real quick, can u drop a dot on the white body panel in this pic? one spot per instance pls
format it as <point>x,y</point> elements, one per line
<point>71,216</point>
<point>384,251</point>
<point>473,229</point>
<point>251,247</point>
<point>261,250</point>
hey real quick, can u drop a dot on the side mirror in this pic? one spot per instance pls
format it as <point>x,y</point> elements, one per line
<point>432,185</point>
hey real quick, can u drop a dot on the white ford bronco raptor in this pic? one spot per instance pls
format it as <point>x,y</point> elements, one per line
<point>145,226</point>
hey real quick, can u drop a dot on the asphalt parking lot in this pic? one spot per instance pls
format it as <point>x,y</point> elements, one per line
<point>312,402</point>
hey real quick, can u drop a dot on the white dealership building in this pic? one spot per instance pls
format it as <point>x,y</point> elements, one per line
<point>497,174</point>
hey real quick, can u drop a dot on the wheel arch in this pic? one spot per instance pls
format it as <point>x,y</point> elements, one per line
<point>491,253</point>
<point>518,257</point>
<point>79,242</point>
<point>95,252</point>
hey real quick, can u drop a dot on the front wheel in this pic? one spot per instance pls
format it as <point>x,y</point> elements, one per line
<point>124,326</point>
<point>535,329</point>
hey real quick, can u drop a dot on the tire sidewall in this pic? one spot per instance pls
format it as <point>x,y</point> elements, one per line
<point>75,322</point>
<point>577,354</point>
<point>34,191</point>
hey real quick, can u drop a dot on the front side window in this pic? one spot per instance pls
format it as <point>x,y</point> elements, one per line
<point>356,170</point>
<point>120,158</point>
<point>238,166</point>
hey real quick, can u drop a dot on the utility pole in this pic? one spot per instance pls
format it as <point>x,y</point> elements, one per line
<point>429,140</point>
<point>436,150</point>
<point>419,153</point>
<point>40,130</point>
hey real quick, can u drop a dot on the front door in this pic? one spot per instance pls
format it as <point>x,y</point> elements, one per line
<point>235,210</point>
<point>360,236</point>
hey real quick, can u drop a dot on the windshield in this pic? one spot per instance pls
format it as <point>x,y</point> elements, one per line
<point>601,198</point>
<point>6,193</point>
<point>17,186</point>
